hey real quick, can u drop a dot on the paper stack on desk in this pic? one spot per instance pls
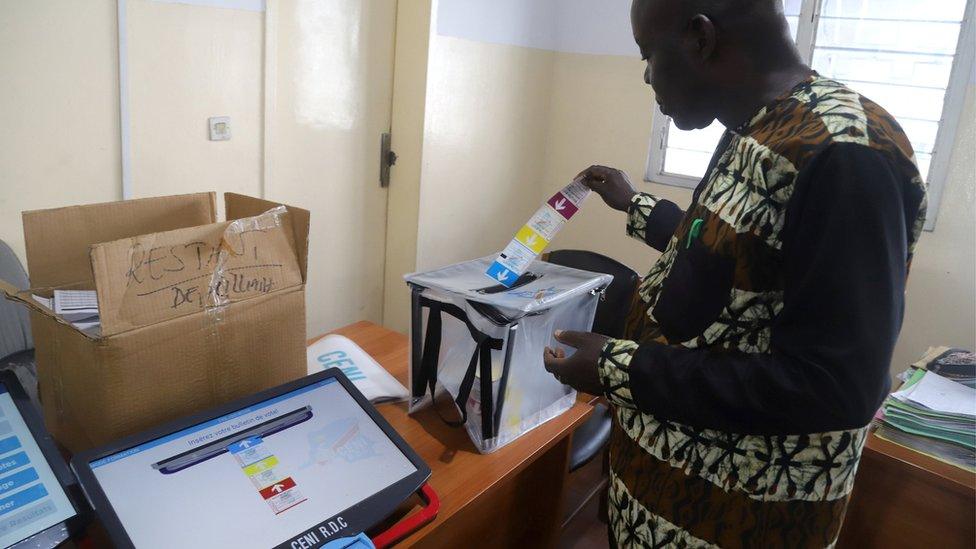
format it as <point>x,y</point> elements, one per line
<point>933,415</point>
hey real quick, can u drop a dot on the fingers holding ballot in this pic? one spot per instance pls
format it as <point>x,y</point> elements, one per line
<point>613,185</point>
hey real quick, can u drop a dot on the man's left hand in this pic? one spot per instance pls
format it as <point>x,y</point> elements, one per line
<point>580,370</point>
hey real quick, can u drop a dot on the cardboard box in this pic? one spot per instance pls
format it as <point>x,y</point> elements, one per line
<point>194,312</point>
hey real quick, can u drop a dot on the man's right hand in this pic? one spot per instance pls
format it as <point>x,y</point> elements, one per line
<point>611,184</point>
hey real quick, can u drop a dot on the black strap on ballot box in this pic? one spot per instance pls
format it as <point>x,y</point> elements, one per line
<point>428,353</point>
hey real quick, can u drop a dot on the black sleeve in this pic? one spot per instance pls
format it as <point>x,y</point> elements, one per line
<point>845,253</point>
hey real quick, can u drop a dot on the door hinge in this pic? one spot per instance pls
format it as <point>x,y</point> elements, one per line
<point>387,159</point>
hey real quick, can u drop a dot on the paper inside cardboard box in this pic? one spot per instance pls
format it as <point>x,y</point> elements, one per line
<point>193,312</point>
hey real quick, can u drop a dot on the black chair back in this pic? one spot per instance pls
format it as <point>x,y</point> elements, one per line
<point>612,311</point>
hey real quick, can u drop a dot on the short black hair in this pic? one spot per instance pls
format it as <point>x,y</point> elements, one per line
<point>758,26</point>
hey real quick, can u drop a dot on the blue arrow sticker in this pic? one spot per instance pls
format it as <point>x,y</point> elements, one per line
<point>502,274</point>
<point>242,445</point>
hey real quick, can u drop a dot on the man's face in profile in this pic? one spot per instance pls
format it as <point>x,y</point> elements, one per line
<point>677,77</point>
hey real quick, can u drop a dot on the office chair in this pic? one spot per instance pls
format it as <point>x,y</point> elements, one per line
<point>16,343</point>
<point>590,438</point>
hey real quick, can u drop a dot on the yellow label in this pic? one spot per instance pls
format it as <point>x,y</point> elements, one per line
<point>261,466</point>
<point>531,239</point>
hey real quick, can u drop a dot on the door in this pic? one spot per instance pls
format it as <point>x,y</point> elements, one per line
<point>329,80</point>
<point>183,63</point>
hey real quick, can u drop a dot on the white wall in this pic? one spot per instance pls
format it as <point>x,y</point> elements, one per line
<point>571,26</point>
<point>59,105</point>
<point>487,126</point>
<point>484,135</point>
<point>187,63</point>
<point>59,108</point>
<point>470,122</point>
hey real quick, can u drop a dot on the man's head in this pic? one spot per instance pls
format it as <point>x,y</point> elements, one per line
<point>700,52</point>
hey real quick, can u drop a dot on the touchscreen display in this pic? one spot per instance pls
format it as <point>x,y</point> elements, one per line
<point>31,498</point>
<point>256,477</point>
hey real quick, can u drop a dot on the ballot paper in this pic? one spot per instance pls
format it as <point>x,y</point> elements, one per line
<point>336,351</point>
<point>940,394</point>
<point>76,305</point>
<point>537,233</point>
<point>75,309</point>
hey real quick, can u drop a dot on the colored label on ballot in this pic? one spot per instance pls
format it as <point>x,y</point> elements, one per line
<point>502,274</point>
<point>537,233</point>
<point>563,206</point>
<point>261,466</point>
<point>531,240</point>
<point>263,470</point>
<point>250,450</point>
<point>278,487</point>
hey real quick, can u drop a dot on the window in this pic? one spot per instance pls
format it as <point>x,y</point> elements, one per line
<point>913,57</point>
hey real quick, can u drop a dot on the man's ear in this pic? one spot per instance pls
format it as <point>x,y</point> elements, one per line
<point>701,31</point>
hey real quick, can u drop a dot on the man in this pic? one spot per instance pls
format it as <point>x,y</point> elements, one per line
<point>758,345</point>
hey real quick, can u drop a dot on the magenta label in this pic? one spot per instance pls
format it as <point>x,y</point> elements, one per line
<point>563,205</point>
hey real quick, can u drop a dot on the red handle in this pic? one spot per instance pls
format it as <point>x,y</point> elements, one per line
<point>412,523</point>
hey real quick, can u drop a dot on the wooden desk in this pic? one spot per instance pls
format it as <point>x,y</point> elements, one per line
<point>511,498</point>
<point>903,498</point>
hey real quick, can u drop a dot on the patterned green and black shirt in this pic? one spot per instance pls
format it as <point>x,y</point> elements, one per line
<point>760,341</point>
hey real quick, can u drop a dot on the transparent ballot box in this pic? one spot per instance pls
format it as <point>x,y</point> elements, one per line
<point>483,343</point>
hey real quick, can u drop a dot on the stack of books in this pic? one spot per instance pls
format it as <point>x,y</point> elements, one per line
<point>934,411</point>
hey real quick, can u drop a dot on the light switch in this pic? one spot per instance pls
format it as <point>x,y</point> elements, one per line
<point>219,128</point>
